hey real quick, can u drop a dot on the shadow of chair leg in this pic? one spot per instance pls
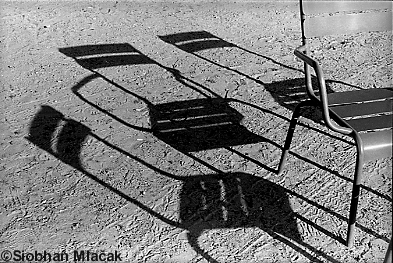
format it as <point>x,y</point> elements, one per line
<point>193,241</point>
<point>63,138</point>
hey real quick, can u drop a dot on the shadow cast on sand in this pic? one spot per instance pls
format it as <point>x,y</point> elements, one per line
<point>200,124</point>
<point>287,93</point>
<point>188,126</point>
<point>209,201</point>
<point>194,41</point>
<point>212,201</point>
<point>236,200</point>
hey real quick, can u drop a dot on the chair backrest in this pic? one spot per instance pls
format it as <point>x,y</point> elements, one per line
<point>345,17</point>
<point>324,18</point>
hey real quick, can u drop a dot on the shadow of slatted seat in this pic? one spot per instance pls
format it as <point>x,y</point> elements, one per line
<point>200,124</point>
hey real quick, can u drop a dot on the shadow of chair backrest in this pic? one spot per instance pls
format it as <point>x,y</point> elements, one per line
<point>61,137</point>
<point>200,124</point>
<point>195,41</point>
<point>106,55</point>
<point>93,57</point>
<point>235,200</point>
<point>287,93</point>
<point>191,125</point>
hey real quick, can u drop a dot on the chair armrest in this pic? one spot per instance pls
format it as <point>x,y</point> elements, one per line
<point>299,52</point>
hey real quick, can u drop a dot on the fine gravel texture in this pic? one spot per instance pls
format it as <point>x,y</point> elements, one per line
<point>154,129</point>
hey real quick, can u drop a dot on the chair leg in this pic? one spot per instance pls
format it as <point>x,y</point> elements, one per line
<point>291,130</point>
<point>388,255</point>
<point>355,198</point>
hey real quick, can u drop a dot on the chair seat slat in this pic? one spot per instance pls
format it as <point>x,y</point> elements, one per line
<point>363,109</point>
<point>371,123</point>
<point>348,24</point>
<point>318,7</point>
<point>339,98</point>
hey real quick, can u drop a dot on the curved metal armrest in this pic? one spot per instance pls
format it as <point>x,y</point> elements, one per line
<point>299,52</point>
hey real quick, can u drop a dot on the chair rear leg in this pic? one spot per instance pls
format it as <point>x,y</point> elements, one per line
<point>388,255</point>
<point>291,130</point>
<point>355,199</point>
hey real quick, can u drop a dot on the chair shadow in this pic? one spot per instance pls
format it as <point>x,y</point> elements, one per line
<point>213,201</point>
<point>64,138</point>
<point>93,57</point>
<point>287,93</point>
<point>235,200</point>
<point>195,41</point>
<point>188,126</point>
<point>201,124</point>
<point>212,135</point>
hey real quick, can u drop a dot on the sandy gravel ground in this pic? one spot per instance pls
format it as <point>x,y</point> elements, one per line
<point>155,128</point>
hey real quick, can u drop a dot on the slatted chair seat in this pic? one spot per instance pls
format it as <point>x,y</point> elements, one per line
<point>368,112</point>
<point>365,115</point>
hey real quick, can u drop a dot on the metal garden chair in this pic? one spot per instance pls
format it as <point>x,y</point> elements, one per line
<point>365,115</point>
